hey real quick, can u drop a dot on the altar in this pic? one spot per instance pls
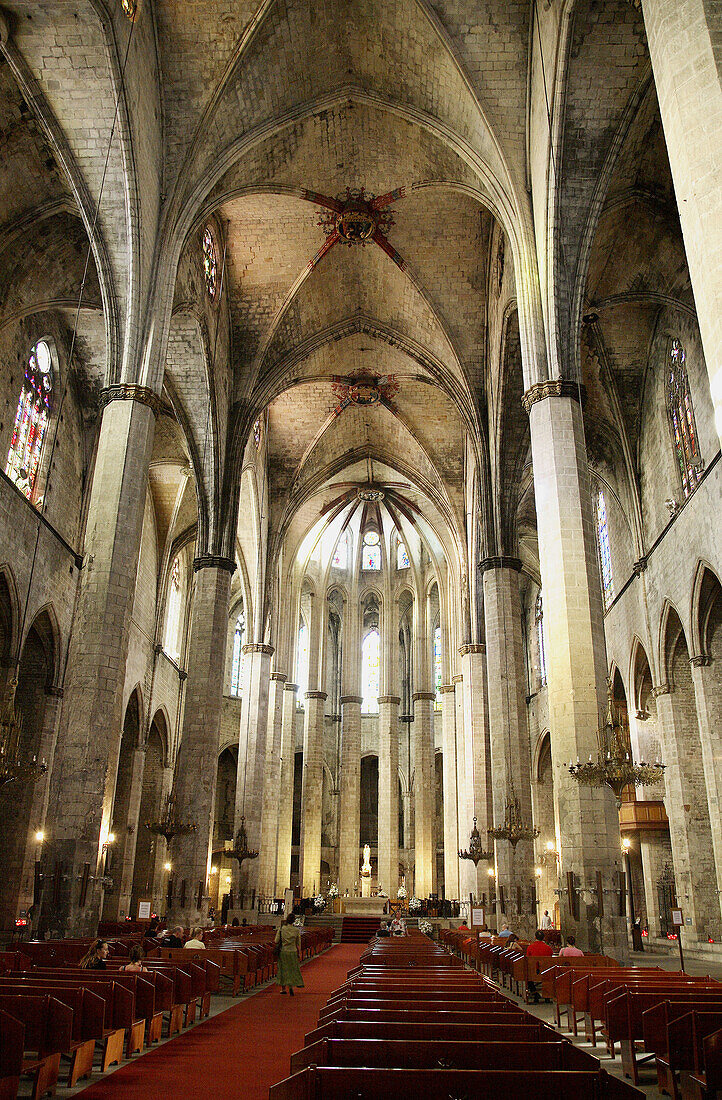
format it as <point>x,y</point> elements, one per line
<point>363,907</point>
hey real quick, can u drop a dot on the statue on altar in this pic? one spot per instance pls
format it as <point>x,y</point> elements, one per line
<point>366,865</point>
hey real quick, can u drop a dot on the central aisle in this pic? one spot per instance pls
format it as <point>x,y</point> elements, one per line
<point>240,1052</point>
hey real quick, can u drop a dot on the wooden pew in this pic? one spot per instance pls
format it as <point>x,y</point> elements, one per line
<point>556,981</point>
<point>528,1030</point>
<point>132,1002</point>
<point>705,1082</point>
<point>590,992</point>
<point>12,1043</point>
<point>88,1021</point>
<point>624,1019</point>
<point>48,1027</point>
<point>655,1036</point>
<point>233,963</point>
<point>449,1054</point>
<point>683,1042</point>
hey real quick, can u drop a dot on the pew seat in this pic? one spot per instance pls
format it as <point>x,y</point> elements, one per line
<point>48,1027</point>
<point>12,1043</point>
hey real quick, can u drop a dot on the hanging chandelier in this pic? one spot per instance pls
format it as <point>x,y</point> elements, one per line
<point>515,828</point>
<point>169,826</point>
<point>615,767</point>
<point>13,767</point>
<point>240,850</point>
<point>475,851</point>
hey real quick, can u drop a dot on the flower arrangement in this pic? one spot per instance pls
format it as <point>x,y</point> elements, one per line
<point>401,893</point>
<point>426,927</point>
<point>333,890</point>
<point>414,905</point>
<point>319,903</point>
<point>381,894</point>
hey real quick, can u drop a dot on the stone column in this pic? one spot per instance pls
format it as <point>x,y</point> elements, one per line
<point>197,760</point>
<point>708,698</point>
<point>684,47</point>
<point>451,817</point>
<point>474,794</point>
<point>586,819</point>
<point>82,783</point>
<point>312,792</point>
<point>350,797</point>
<point>509,735</point>
<point>250,781</point>
<point>424,790</point>
<point>388,844</point>
<point>125,846</point>
<point>285,794</point>
<point>268,851</point>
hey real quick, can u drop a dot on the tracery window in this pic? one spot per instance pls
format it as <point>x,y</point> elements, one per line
<point>370,672</point>
<point>402,558</point>
<point>129,7</point>
<point>237,659</point>
<point>539,616</point>
<point>437,668</point>
<point>171,643</point>
<point>257,433</point>
<point>210,263</point>
<point>605,557</point>
<point>302,664</point>
<point>371,551</point>
<point>340,557</point>
<point>31,420</point>
<point>681,419</point>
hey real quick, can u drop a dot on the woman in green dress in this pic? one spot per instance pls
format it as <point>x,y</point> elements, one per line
<point>289,959</point>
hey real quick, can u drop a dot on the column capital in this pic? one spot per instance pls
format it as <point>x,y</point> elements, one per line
<point>213,561</point>
<point>389,699</point>
<point>129,391</point>
<point>54,691</point>
<point>290,687</point>
<point>279,676</point>
<point>500,562</point>
<point>316,695</point>
<point>640,565</point>
<point>445,689</point>
<point>700,660</point>
<point>457,679</point>
<point>552,387</point>
<point>661,689</point>
<point>351,699</point>
<point>472,647</point>
<point>258,647</point>
<point>423,696</point>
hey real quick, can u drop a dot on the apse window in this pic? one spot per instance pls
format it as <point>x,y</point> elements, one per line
<point>210,263</point>
<point>340,556</point>
<point>371,551</point>
<point>539,616</point>
<point>171,643</point>
<point>302,664</point>
<point>239,635</point>
<point>257,433</point>
<point>681,419</point>
<point>402,558</point>
<point>605,556</point>
<point>129,7</point>
<point>370,673</point>
<point>31,422</point>
<point>437,668</point>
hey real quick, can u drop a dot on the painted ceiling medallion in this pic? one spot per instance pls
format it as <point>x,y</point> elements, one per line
<point>364,392</point>
<point>355,218</point>
<point>369,493</point>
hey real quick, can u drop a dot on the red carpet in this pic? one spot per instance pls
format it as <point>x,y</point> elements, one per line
<point>241,1052</point>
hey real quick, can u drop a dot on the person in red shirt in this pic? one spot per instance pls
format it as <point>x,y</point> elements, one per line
<point>537,948</point>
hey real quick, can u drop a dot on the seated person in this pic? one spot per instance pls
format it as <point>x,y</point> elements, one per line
<point>504,932</point>
<point>571,948</point>
<point>135,960</point>
<point>235,923</point>
<point>538,948</point>
<point>95,956</point>
<point>195,942</point>
<point>173,937</point>
<point>384,929</point>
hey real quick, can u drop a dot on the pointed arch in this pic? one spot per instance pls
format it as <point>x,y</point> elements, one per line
<point>705,587</point>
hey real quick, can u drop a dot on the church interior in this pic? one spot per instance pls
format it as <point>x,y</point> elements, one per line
<point>360,485</point>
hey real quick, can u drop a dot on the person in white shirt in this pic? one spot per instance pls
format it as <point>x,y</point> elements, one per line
<point>546,921</point>
<point>195,942</point>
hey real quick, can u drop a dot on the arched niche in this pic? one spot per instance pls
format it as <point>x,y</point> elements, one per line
<point>150,850</point>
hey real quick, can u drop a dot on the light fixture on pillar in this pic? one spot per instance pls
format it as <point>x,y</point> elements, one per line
<point>615,767</point>
<point>240,849</point>
<point>550,856</point>
<point>515,828</point>
<point>14,767</point>
<point>169,826</point>
<point>475,851</point>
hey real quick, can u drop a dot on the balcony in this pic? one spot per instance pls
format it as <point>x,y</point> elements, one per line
<point>643,817</point>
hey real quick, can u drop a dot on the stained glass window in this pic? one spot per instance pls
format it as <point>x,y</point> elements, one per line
<point>237,660</point>
<point>31,420</point>
<point>257,433</point>
<point>210,262</point>
<point>370,673</point>
<point>371,551</point>
<point>605,557</point>
<point>437,668</point>
<point>539,616</point>
<point>129,7</point>
<point>402,558</point>
<point>681,418</point>
<point>302,664</point>
<point>340,557</point>
<point>172,622</point>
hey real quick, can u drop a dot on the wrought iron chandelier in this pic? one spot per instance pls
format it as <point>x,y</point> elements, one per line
<point>515,828</point>
<point>240,850</point>
<point>475,851</point>
<point>14,768</point>
<point>615,767</point>
<point>169,826</point>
